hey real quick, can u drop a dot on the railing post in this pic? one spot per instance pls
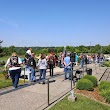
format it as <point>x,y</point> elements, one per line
<point>71,77</point>
<point>83,70</point>
<point>48,91</point>
<point>24,74</point>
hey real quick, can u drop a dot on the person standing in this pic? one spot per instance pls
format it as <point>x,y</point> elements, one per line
<point>28,55</point>
<point>14,63</point>
<point>76,59</point>
<point>29,51</point>
<point>51,62</point>
<point>67,67</point>
<point>82,60</point>
<point>31,66</point>
<point>42,64</point>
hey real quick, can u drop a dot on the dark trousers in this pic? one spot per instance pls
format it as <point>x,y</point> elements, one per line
<point>15,74</point>
<point>51,66</point>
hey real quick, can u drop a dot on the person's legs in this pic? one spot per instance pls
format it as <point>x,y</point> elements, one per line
<point>12,75</point>
<point>41,71</point>
<point>69,73</point>
<point>65,73</point>
<point>50,67</point>
<point>32,74</point>
<point>44,74</point>
<point>17,75</point>
<point>82,63</point>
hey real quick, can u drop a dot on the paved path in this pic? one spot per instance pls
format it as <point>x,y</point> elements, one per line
<point>34,97</point>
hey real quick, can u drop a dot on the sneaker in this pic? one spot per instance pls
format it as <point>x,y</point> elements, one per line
<point>43,83</point>
<point>34,81</point>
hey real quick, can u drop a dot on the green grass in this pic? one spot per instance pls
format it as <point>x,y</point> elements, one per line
<point>107,63</point>
<point>4,58</point>
<point>82,103</point>
<point>5,83</point>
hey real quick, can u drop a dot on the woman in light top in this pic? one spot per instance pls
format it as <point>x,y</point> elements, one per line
<point>14,68</point>
<point>42,64</point>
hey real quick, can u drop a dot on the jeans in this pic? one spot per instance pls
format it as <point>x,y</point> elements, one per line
<point>15,74</point>
<point>42,74</point>
<point>33,77</point>
<point>82,63</point>
<point>67,71</point>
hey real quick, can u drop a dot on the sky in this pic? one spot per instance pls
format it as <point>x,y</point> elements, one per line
<point>54,22</point>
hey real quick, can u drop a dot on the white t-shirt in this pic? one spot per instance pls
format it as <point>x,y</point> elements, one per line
<point>42,64</point>
<point>29,52</point>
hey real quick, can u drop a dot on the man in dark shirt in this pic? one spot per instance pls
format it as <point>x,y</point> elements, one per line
<point>31,66</point>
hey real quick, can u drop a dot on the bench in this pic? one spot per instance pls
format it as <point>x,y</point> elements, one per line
<point>26,72</point>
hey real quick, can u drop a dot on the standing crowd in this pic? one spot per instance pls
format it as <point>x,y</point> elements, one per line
<point>66,60</point>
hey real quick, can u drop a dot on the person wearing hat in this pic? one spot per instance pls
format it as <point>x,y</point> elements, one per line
<point>67,67</point>
<point>14,68</point>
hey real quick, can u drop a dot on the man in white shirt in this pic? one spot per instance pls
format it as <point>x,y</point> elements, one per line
<point>29,51</point>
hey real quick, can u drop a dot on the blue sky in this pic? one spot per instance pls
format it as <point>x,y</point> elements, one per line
<point>54,22</point>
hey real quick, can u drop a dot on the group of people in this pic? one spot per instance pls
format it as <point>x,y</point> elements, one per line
<point>66,60</point>
<point>88,59</point>
<point>14,63</point>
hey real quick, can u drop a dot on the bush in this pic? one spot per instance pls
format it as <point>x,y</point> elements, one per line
<point>84,84</point>
<point>107,63</point>
<point>106,94</point>
<point>93,79</point>
<point>2,54</point>
<point>104,85</point>
<point>2,63</point>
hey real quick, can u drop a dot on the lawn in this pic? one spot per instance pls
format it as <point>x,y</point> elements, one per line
<point>107,63</point>
<point>5,58</point>
<point>82,103</point>
<point>6,83</point>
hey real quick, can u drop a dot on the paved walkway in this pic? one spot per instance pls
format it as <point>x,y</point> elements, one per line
<point>34,97</point>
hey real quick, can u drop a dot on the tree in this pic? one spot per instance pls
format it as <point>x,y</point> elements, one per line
<point>0,42</point>
<point>70,48</point>
<point>1,50</point>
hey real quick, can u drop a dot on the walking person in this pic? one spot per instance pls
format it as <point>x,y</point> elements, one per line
<point>14,63</point>
<point>31,65</point>
<point>67,67</point>
<point>42,64</point>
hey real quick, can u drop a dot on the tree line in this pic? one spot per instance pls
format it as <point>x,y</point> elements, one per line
<point>6,51</point>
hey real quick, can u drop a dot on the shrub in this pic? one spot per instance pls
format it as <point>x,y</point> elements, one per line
<point>84,84</point>
<point>106,94</point>
<point>2,63</point>
<point>107,63</point>
<point>93,79</point>
<point>2,54</point>
<point>104,85</point>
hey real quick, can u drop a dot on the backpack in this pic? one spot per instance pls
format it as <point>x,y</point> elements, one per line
<point>31,62</point>
<point>14,61</point>
<point>72,57</point>
<point>27,56</point>
<point>51,60</point>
